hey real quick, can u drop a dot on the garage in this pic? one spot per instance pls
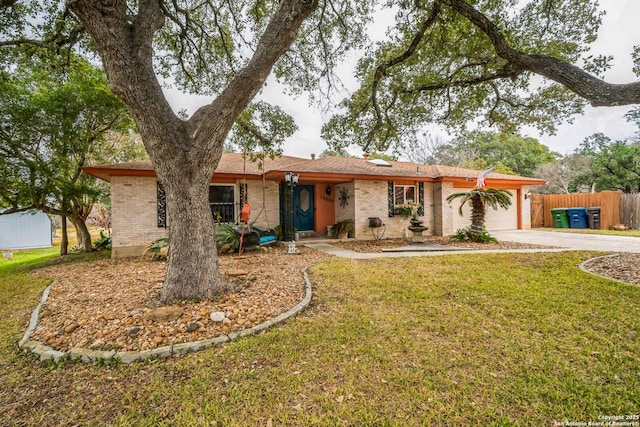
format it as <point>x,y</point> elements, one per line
<point>495,220</point>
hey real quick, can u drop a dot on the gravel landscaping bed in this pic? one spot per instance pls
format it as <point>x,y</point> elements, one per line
<point>113,304</point>
<point>623,266</point>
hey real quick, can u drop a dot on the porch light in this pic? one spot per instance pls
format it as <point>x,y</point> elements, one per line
<point>291,178</point>
<point>288,229</point>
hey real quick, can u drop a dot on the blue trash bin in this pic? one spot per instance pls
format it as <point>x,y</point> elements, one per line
<point>578,217</point>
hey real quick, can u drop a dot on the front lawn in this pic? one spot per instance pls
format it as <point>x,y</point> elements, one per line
<point>487,339</point>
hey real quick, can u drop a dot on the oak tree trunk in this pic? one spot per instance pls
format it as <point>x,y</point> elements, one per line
<point>184,154</point>
<point>192,271</point>
<point>83,236</point>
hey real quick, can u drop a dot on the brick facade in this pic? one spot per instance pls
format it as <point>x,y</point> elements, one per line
<point>270,216</point>
<point>135,221</point>
<point>134,215</point>
<point>371,200</point>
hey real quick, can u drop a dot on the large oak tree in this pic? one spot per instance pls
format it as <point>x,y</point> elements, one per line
<point>224,48</point>
<point>228,48</point>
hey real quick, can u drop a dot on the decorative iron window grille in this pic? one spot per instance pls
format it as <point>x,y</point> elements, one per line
<point>161,204</point>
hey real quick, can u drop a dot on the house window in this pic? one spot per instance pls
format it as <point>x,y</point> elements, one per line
<point>222,202</point>
<point>404,194</point>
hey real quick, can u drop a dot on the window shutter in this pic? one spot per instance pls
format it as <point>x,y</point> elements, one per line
<point>421,198</point>
<point>161,205</point>
<point>392,208</point>
<point>243,194</point>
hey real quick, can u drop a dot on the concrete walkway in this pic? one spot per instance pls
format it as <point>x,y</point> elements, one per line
<point>561,242</point>
<point>410,252</point>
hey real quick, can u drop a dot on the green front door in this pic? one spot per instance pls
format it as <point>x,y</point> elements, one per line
<point>303,208</point>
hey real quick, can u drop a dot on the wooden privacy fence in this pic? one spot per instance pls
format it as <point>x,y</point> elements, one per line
<point>609,203</point>
<point>630,210</point>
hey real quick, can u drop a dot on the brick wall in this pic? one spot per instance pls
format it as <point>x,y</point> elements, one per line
<point>371,201</point>
<point>443,222</point>
<point>134,215</point>
<point>134,211</point>
<point>270,217</point>
<point>345,201</point>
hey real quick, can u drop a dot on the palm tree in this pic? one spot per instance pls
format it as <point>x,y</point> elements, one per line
<point>480,198</point>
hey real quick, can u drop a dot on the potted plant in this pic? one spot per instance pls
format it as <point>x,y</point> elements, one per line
<point>408,210</point>
<point>342,229</point>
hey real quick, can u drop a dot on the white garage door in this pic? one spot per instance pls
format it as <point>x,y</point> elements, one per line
<point>502,219</point>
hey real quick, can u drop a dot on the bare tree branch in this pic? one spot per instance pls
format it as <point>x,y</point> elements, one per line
<point>598,92</point>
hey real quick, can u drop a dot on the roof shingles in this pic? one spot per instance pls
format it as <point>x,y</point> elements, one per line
<point>237,164</point>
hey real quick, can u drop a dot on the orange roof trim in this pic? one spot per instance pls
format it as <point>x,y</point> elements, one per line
<point>327,169</point>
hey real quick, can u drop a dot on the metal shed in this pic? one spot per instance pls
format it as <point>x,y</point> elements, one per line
<point>25,230</point>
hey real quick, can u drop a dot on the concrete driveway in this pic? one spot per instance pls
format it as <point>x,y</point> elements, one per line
<point>590,242</point>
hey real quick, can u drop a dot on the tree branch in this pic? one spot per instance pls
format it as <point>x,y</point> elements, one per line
<point>598,92</point>
<point>459,83</point>
<point>275,41</point>
<point>249,127</point>
<point>381,70</point>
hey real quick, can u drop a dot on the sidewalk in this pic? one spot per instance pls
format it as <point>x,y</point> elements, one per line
<point>411,251</point>
<point>562,242</point>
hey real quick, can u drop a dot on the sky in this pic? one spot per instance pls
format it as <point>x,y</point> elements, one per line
<point>617,36</point>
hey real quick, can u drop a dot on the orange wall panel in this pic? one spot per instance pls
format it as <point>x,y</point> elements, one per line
<point>325,205</point>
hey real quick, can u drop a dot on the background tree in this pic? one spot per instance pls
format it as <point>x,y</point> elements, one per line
<point>54,123</point>
<point>564,176</point>
<point>512,154</point>
<point>423,149</point>
<point>615,165</point>
<point>520,154</point>
<point>481,164</point>
<point>340,152</point>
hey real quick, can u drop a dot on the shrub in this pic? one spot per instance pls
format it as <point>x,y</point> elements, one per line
<point>103,242</point>
<point>465,234</point>
<point>158,250</point>
<point>346,226</point>
<point>279,235</point>
<point>226,235</point>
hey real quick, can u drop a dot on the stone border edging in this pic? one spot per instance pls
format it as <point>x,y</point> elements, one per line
<point>583,267</point>
<point>86,355</point>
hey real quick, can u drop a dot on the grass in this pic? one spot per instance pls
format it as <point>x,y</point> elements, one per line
<point>18,291</point>
<point>630,233</point>
<point>491,339</point>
